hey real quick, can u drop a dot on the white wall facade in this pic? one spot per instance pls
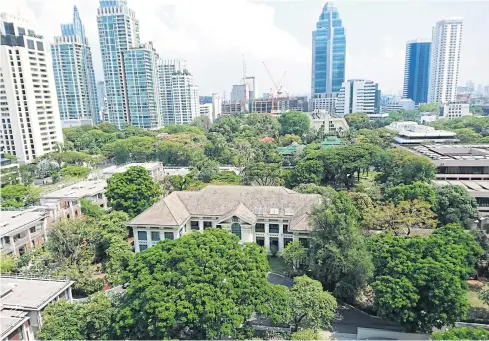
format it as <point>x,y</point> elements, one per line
<point>454,110</point>
<point>264,232</point>
<point>445,59</point>
<point>357,95</point>
<point>29,111</point>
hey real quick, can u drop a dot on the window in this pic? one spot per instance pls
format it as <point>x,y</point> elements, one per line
<point>32,229</point>
<point>155,236</point>
<point>142,247</point>
<point>169,235</point>
<point>286,228</point>
<point>287,240</point>
<point>142,235</point>
<point>236,229</point>
<point>30,44</point>
<point>304,242</point>
<point>207,224</point>
<point>260,241</point>
<point>274,241</point>
<point>259,227</point>
<point>194,225</point>
<point>40,46</point>
<point>273,228</point>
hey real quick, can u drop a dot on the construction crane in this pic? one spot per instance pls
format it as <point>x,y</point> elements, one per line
<point>278,86</point>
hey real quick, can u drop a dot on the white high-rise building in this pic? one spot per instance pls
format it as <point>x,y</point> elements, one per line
<point>445,60</point>
<point>179,97</point>
<point>118,31</point>
<point>358,96</point>
<point>29,111</point>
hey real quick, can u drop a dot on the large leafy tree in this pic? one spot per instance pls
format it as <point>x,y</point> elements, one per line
<point>294,122</point>
<point>400,218</point>
<point>415,191</point>
<point>204,285</point>
<point>358,121</point>
<point>306,172</point>
<point>339,256</point>
<point>454,204</point>
<point>91,320</point>
<point>263,174</point>
<point>19,196</point>
<point>132,191</point>
<point>398,166</point>
<point>420,282</point>
<point>310,306</point>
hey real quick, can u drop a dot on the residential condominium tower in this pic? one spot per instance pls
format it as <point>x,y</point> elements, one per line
<point>445,60</point>
<point>118,31</point>
<point>29,112</point>
<point>141,76</point>
<point>179,98</point>
<point>328,52</point>
<point>74,74</point>
<point>358,95</point>
<point>416,71</point>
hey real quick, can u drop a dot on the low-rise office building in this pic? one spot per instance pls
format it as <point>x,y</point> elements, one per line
<point>454,109</point>
<point>462,165</point>
<point>155,169</point>
<point>21,231</point>
<point>22,301</point>
<point>322,120</point>
<point>265,215</point>
<point>65,202</point>
<point>412,133</point>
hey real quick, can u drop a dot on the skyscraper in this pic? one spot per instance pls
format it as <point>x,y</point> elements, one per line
<point>328,52</point>
<point>358,95</point>
<point>141,76</point>
<point>416,71</point>
<point>29,112</point>
<point>179,97</point>
<point>118,31</point>
<point>74,74</point>
<point>445,59</point>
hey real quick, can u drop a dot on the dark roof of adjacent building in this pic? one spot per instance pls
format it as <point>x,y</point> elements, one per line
<point>246,202</point>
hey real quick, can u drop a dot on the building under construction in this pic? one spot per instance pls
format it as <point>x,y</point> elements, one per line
<point>280,105</point>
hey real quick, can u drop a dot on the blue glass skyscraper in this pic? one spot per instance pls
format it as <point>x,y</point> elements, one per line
<point>328,52</point>
<point>118,31</point>
<point>74,74</point>
<point>417,71</point>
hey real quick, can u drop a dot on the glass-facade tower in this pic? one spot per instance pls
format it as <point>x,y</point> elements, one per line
<point>141,75</point>
<point>417,71</point>
<point>118,31</point>
<point>328,52</point>
<point>74,74</point>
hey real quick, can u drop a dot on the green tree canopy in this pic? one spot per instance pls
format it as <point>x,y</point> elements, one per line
<point>415,191</point>
<point>206,283</point>
<point>75,171</point>
<point>227,177</point>
<point>466,333</point>
<point>132,191</point>
<point>420,282</point>
<point>454,204</point>
<point>263,174</point>
<point>294,122</point>
<point>358,121</point>
<point>295,256</point>
<point>19,196</point>
<point>306,172</point>
<point>310,306</point>
<point>339,256</point>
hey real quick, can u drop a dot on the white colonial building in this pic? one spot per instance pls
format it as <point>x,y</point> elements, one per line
<point>265,215</point>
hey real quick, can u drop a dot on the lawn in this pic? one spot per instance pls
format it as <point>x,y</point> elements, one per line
<point>277,264</point>
<point>478,311</point>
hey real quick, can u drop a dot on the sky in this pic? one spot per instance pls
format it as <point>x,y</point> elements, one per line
<point>215,36</point>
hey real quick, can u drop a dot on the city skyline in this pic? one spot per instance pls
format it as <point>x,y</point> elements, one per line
<point>216,59</point>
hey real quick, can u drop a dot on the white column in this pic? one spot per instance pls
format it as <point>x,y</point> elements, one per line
<point>267,237</point>
<point>280,237</point>
<point>201,225</point>
<point>44,227</point>
<point>29,237</point>
<point>136,240</point>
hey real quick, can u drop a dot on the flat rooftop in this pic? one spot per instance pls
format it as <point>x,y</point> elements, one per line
<point>447,152</point>
<point>27,293</point>
<point>120,169</point>
<point>77,191</point>
<point>10,320</point>
<point>13,220</point>
<point>473,186</point>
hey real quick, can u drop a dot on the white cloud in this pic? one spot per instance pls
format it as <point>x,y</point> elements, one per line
<point>212,35</point>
